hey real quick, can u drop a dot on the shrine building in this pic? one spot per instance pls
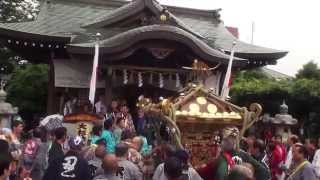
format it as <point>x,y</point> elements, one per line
<point>144,46</point>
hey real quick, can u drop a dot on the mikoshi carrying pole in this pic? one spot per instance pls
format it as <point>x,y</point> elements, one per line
<point>93,82</point>
<point>226,83</point>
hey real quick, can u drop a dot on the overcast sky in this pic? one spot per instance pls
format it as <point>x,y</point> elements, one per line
<point>291,25</point>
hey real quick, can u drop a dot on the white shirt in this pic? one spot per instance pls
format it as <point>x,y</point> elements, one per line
<point>316,162</point>
<point>287,163</point>
<point>289,159</point>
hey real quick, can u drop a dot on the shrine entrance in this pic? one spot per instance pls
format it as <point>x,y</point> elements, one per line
<point>131,93</point>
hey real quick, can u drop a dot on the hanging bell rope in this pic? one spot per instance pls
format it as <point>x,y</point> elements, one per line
<point>177,80</point>
<point>140,80</point>
<point>125,76</point>
<point>160,80</point>
<point>151,78</point>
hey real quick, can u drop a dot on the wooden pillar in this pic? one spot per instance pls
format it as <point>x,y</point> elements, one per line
<point>51,89</point>
<point>108,89</point>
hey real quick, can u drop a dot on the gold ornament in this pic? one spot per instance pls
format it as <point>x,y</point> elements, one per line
<point>194,108</point>
<point>184,112</point>
<point>163,17</point>
<point>178,112</point>
<point>201,100</point>
<point>212,108</point>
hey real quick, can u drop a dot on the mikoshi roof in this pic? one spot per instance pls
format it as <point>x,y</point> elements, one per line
<point>71,24</point>
<point>76,117</point>
<point>195,104</point>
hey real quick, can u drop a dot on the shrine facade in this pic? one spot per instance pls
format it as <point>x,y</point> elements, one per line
<point>143,46</point>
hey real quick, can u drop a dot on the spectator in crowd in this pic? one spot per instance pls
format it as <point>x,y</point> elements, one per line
<point>96,163</point>
<point>120,127</point>
<point>172,169</point>
<point>110,167</point>
<point>278,156</point>
<point>56,153</point>
<point>96,133</point>
<point>124,110</point>
<point>259,152</point>
<point>293,139</point>
<point>30,151</point>
<point>108,136</point>
<point>5,163</point>
<point>225,161</point>
<point>113,110</point>
<point>100,106</point>
<point>41,158</point>
<point>129,170</point>
<point>316,160</point>
<point>165,151</point>
<point>56,150</point>
<point>127,136</point>
<point>311,145</point>
<point>240,172</point>
<point>187,170</point>
<point>302,169</point>
<point>73,165</point>
<point>17,129</point>
<point>140,122</point>
<point>250,142</point>
<point>70,105</point>
<point>134,151</point>
<point>162,152</point>
<point>145,126</point>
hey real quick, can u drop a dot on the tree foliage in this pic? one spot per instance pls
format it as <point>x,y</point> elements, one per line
<point>309,71</point>
<point>18,10</point>
<point>14,11</point>
<point>302,93</point>
<point>28,88</point>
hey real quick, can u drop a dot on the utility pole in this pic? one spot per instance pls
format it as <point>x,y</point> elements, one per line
<point>252,31</point>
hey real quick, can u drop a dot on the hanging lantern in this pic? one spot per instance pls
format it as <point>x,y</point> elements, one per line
<point>160,80</point>
<point>125,76</point>
<point>140,81</point>
<point>177,80</point>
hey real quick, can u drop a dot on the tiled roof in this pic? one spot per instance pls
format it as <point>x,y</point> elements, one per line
<point>275,74</point>
<point>64,19</point>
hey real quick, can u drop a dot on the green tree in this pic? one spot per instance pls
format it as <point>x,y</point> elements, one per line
<point>14,11</point>
<point>253,86</point>
<point>28,88</point>
<point>302,94</point>
<point>309,71</point>
<point>18,10</point>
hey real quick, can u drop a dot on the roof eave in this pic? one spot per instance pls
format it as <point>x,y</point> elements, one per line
<point>271,56</point>
<point>124,41</point>
<point>13,34</point>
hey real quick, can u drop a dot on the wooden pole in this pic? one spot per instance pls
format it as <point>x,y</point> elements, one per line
<point>51,88</point>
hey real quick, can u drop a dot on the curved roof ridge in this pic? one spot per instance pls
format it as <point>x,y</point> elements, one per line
<point>164,32</point>
<point>135,7</point>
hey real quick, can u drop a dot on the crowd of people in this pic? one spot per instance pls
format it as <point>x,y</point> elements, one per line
<point>125,148</point>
